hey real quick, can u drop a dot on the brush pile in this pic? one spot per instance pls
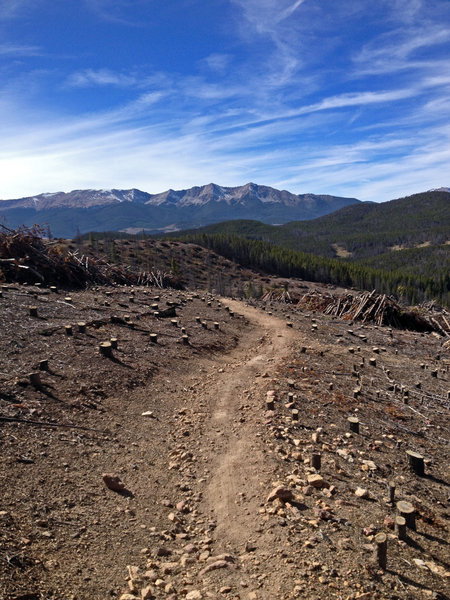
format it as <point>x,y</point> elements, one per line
<point>276,294</point>
<point>377,308</point>
<point>27,257</point>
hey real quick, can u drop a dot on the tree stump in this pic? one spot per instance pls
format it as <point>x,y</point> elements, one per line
<point>154,338</point>
<point>198,319</point>
<point>406,510</point>
<point>391,491</point>
<point>416,462</point>
<point>316,461</point>
<point>353,424</point>
<point>43,365</point>
<point>381,550</point>
<point>373,362</point>
<point>68,329</point>
<point>35,380</point>
<point>185,339</point>
<point>294,414</point>
<point>33,311</point>
<point>113,341</point>
<point>270,400</point>
<point>204,325</point>
<point>400,527</point>
<point>81,327</point>
<point>216,325</point>
<point>105,349</point>
<point>68,299</point>
<point>174,322</point>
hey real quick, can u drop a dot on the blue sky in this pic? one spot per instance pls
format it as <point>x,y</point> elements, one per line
<point>346,97</point>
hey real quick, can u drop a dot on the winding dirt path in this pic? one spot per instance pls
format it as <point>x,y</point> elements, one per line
<point>239,463</point>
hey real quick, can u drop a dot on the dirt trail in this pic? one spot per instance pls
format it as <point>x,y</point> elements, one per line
<point>239,462</point>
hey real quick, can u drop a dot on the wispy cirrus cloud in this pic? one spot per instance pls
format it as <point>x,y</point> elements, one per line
<point>100,77</point>
<point>13,50</point>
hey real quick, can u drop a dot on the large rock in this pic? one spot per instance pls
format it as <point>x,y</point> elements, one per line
<point>281,493</point>
<point>113,482</point>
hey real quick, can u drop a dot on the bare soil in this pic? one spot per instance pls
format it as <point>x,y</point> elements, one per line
<point>194,520</point>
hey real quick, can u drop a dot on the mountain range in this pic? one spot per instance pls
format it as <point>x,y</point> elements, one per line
<point>80,211</point>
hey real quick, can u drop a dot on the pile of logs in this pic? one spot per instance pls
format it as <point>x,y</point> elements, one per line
<point>25,256</point>
<point>377,308</point>
<point>276,295</point>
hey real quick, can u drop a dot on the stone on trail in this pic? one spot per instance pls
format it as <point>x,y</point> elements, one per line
<point>316,481</point>
<point>194,595</point>
<point>361,492</point>
<point>219,564</point>
<point>113,482</point>
<point>281,493</point>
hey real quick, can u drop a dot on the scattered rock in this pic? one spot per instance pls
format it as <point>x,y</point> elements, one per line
<point>361,492</point>
<point>281,493</point>
<point>113,482</point>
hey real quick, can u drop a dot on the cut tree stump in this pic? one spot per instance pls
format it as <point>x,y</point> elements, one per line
<point>353,424</point>
<point>35,380</point>
<point>391,491</point>
<point>416,462</point>
<point>113,341</point>
<point>406,510</point>
<point>33,311</point>
<point>105,349</point>
<point>81,327</point>
<point>381,550</point>
<point>43,365</point>
<point>400,527</point>
<point>68,329</point>
<point>316,461</point>
<point>154,338</point>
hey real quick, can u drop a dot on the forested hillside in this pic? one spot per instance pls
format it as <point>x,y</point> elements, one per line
<point>284,262</point>
<point>398,247</point>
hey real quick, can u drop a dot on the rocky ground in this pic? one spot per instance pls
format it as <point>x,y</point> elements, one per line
<point>236,473</point>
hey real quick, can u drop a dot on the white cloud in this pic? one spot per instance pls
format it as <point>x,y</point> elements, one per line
<point>99,77</point>
<point>19,50</point>
<point>217,62</point>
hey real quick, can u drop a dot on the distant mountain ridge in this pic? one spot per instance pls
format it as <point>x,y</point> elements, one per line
<point>67,213</point>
